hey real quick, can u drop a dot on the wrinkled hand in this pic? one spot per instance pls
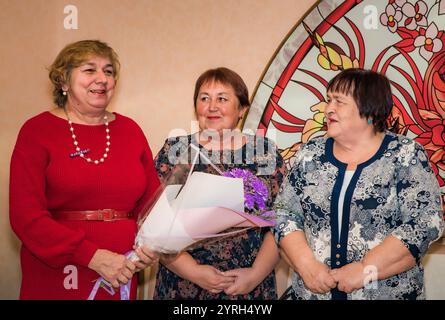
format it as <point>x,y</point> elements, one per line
<point>147,258</point>
<point>349,277</point>
<point>114,268</point>
<point>316,277</point>
<point>211,279</point>
<point>244,281</point>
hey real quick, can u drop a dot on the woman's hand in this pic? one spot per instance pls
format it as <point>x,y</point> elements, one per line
<point>350,277</point>
<point>245,280</point>
<point>211,279</point>
<point>146,258</point>
<point>314,273</point>
<point>114,268</point>
<point>316,276</point>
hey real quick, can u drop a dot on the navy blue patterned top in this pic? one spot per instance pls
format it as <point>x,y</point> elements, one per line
<point>393,193</point>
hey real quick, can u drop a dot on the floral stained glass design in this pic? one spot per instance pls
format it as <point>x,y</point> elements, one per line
<point>403,39</point>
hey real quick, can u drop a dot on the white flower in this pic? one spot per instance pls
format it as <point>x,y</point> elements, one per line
<point>428,42</point>
<point>415,15</point>
<point>391,18</point>
<point>398,3</point>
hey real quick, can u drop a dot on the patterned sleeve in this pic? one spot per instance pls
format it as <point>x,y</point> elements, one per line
<point>279,171</point>
<point>290,216</point>
<point>168,158</point>
<point>163,166</point>
<point>420,204</point>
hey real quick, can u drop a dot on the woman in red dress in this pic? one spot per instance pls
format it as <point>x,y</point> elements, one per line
<point>79,177</point>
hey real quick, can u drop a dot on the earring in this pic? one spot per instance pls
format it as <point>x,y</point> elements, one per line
<point>64,93</point>
<point>370,121</point>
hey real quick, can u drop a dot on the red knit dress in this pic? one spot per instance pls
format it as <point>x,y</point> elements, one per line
<point>45,178</point>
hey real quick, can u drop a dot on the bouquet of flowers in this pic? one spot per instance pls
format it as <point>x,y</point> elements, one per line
<point>204,206</point>
<point>201,207</point>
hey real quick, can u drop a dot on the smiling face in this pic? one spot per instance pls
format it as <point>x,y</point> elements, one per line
<point>217,107</point>
<point>342,116</point>
<point>91,85</point>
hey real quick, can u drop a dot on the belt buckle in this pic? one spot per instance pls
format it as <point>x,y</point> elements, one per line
<point>106,214</point>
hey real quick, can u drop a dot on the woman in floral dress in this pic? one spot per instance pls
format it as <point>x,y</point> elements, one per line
<point>239,266</point>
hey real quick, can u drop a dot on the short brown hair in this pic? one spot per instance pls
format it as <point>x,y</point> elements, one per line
<point>226,77</point>
<point>72,56</point>
<point>371,92</point>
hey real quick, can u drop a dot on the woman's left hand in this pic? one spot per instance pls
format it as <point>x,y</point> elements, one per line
<point>147,258</point>
<point>245,281</point>
<point>349,277</point>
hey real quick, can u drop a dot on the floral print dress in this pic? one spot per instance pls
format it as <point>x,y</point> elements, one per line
<point>261,158</point>
<point>395,193</point>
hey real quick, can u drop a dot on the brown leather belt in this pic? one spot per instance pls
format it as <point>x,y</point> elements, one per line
<point>93,215</point>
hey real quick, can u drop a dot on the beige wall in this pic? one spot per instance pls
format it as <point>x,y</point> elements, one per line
<point>163,46</point>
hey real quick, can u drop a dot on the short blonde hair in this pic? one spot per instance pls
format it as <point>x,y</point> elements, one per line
<point>72,56</point>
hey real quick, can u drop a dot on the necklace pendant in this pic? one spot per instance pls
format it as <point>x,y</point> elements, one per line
<point>79,153</point>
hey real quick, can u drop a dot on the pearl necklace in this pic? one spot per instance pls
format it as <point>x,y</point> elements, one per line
<point>76,144</point>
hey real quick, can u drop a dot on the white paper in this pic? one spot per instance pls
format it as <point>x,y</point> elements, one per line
<point>204,190</point>
<point>171,225</point>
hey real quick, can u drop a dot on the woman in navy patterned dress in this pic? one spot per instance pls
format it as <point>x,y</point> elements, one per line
<point>359,209</point>
<point>240,266</point>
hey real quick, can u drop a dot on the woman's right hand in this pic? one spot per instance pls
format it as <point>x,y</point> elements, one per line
<point>211,279</point>
<point>114,268</point>
<point>316,277</point>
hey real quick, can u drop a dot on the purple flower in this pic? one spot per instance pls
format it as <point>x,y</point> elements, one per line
<point>255,191</point>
